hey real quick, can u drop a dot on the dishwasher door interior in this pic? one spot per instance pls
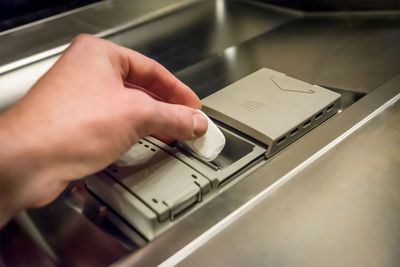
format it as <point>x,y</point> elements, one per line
<point>283,81</point>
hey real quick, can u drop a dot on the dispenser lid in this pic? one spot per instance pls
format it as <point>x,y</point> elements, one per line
<point>267,105</point>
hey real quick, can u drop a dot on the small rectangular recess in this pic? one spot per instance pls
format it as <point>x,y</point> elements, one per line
<point>319,115</point>
<point>330,107</point>
<point>294,131</point>
<point>234,149</point>
<point>306,123</point>
<point>281,140</point>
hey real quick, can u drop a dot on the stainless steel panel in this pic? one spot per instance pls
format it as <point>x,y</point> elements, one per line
<point>346,51</point>
<point>202,30</point>
<point>58,235</point>
<point>355,52</point>
<point>100,18</point>
<point>340,210</point>
<point>281,165</point>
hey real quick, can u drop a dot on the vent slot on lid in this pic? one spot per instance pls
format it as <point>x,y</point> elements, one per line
<point>281,140</point>
<point>330,107</point>
<point>307,123</point>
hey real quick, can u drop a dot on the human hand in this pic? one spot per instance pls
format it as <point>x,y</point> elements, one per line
<point>80,117</point>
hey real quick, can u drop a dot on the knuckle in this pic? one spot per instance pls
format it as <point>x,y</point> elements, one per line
<point>86,43</point>
<point>153,70</point>
<point>83,39</point>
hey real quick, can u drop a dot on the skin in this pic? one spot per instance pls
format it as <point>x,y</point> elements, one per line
<point>82,115</point>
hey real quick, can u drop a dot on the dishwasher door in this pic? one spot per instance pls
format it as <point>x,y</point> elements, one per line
<point>311,149</point>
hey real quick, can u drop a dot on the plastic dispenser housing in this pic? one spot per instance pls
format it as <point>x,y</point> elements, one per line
<point>271,107</point>
<point>157,184</point>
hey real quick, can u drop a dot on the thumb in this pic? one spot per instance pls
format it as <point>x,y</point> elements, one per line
<point>175,121</point>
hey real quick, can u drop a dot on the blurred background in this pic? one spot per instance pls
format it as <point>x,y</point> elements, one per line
<point>15,13</point>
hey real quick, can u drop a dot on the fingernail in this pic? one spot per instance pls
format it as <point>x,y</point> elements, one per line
<point>200,123</point>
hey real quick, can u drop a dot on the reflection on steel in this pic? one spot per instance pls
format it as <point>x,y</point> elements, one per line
<point>220,11</point>
<point>230,54</point>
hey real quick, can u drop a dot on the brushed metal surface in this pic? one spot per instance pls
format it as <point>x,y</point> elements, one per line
<point>240,193</point>
<point>203,30</point>
<point>341,210</point>
<point>53,32</point>
<point>356,52</point>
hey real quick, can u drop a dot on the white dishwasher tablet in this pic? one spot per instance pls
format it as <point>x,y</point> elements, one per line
<point>210,144</point>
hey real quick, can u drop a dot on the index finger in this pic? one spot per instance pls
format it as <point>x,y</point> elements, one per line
<point>142,71</point>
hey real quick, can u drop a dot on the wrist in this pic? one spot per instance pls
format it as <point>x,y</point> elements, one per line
<point>17,168</point>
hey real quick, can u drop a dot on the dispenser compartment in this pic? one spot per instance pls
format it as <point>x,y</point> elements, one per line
<point>154,183</point>
<point>151,184</point>
<point>237,154</point>
<point>235,149</point>
<point>272,108</point>
<point>165,184</point>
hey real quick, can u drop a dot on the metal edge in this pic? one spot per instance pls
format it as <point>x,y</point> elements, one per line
<point>54,17</point>
<point>134,22</point>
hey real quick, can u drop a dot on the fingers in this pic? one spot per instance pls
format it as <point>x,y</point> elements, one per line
<point>176,121</point>
<point>173,121</point>
<point>147,73</point>
<point>135,69</point>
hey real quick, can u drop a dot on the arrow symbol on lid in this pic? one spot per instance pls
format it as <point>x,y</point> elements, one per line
<point>285,84</point>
